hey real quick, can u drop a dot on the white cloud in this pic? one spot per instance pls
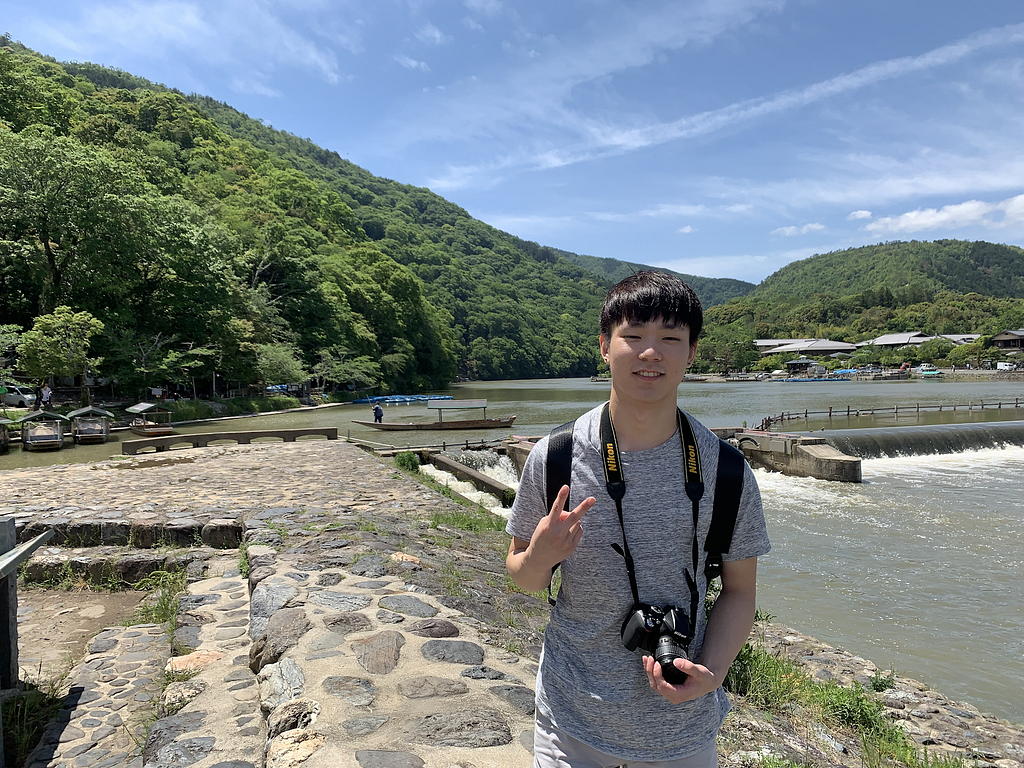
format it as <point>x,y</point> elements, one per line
<point>540,95</point>
<point>472,24</point>
<point>432,35</point>
<point>486,7</point>
<point>248,85</point>
<point>972,213</point>
<point>791,231</point>
<point>411,63</point>
<point>233,31</point>
<point>686,230</point>
<point>857,215</point>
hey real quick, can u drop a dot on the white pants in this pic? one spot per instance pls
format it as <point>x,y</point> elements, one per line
<point>554,748</point>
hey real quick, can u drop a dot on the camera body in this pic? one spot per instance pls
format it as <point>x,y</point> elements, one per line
<point>664,633</point>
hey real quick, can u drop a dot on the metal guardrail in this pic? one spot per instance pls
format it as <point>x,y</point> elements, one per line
<point>855,412</point>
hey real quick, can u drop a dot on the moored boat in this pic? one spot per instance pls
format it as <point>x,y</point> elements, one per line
<point>441,406</point>
<point>42,431</point>
<point>151,420</point>
<point>90,425</point>
<point>395,426</point>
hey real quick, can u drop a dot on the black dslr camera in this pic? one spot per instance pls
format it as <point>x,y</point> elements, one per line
<point>663,632</point>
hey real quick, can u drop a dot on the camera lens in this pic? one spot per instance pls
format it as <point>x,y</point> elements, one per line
<point>665,653</point>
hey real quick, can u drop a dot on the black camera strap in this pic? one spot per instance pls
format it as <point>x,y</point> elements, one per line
<point>615,481</point>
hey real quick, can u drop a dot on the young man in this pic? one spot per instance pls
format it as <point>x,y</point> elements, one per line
<point>599,704</point>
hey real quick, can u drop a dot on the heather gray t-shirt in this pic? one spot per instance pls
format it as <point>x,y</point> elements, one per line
<point>589,684</point>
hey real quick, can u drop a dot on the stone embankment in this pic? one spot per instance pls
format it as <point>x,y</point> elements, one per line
<point>371,630</point>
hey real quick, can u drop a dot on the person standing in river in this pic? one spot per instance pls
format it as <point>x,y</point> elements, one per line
<point>598,704</point>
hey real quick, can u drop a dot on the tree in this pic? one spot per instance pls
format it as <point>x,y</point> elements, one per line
<point>58,345</point>
<point>278,364</point>
<point>338,366</point>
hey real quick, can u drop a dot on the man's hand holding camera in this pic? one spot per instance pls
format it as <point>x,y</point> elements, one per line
<point>699,680</point>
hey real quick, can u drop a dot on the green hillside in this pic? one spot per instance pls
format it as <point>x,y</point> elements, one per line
<point>922,267</point>
<point>943,287</point>
<point>711,290</point>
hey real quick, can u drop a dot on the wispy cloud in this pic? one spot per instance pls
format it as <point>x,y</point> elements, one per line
<point>972,213</point>
<point>487,7</point>
<point>248,85</point>
<point>410,63</point>
<point>431,35</point>
<point>232,32</point>
<point>793,231</point>
<point>541,96</point>
<point>858,215</point>
<point>686,230</point>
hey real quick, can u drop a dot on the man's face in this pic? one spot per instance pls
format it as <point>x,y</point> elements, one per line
<point>648,360</point>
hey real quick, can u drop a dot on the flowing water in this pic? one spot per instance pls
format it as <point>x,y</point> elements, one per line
<point>920,568</point>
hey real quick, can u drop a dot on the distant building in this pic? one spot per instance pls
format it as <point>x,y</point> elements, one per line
<point>916,339</point>
<point>768,346</point>
<point>816,347</point>
<point>1012,340</point>
<point>897,340</point>
<point>961,338</point>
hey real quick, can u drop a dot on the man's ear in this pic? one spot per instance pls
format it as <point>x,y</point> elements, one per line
<point>602,340</point>
<point>693,354</point>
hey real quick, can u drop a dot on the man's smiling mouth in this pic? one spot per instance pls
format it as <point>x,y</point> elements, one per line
<point>649,374</point>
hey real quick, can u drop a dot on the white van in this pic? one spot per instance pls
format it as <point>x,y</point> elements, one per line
<point>1006,366</point>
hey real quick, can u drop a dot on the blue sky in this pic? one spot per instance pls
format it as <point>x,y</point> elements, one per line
<point>722,138</point>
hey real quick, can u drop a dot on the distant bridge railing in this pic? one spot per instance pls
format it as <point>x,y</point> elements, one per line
<point>850,411</point>
<point>203,439</point>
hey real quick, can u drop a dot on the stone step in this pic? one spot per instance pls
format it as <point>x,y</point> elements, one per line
<point>331,668</point>
<point>113,695</point>
<point>117,566</point>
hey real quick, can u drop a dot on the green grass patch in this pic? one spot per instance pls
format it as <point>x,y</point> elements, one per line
<point>239,406</point>
<point>243,560</point>
<point>473,519</point>
<point>408,461</point>
<point>25,717</point>
<point>775,685</point>
<point>189,410</point>
<point>162,604</point>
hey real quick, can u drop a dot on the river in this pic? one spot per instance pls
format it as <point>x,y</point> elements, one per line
<point>920,568</point>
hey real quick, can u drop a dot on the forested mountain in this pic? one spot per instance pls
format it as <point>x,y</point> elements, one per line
<point>237,248</point>
<point>914,269</point>
<point>711,290</point>
<point>943,287</point>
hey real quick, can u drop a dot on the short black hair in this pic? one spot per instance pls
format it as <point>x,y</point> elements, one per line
<point>649,295</point>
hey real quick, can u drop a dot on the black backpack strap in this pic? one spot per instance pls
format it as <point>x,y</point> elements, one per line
<point>728,491</point>
<point>559,461</point>
<point>558,471</point>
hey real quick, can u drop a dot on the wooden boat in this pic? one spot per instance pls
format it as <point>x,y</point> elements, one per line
<point>440,406</point>
<point>160,424</point>
<point>42,431</point>
<point>90,425</point>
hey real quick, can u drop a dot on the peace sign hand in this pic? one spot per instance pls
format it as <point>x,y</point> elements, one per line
<point>559,532</point>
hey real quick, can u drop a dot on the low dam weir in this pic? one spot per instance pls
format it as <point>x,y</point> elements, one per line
<point>890,442</point>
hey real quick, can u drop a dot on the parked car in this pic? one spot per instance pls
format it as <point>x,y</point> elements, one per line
<point>1002,366</point>
<point>18,396</point>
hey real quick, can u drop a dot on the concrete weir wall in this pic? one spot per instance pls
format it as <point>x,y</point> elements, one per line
<point>795,455</point>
